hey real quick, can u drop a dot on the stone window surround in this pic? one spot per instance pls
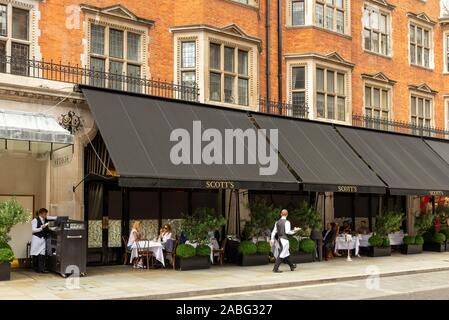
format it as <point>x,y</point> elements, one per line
<point>446,111</point>
<point>311,64</point>
<point>446,51</point>
<point>384,85</point>
<point>310,12</point>
<point>253,4</point>
<point>429,25</point>
<point>119,24</point>
<point>203,38</point>
<point>34,32</point>
<point>387,10</point>
<point>416,92</point>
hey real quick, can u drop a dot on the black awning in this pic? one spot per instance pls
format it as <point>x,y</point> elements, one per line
<point>137,129</point>
<point>405,163</point>
<point>440,147</point>
<point>320,157</point>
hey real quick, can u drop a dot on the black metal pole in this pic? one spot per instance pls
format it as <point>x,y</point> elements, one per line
<point>280,50</point>
<point>268,52</point>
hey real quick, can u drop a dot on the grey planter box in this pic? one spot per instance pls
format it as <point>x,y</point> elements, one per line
<point>258,259</point>
<point>379,251</point>
<point>435,247</point>
<point>302,257</point>
<point>411,248</point>
<point>192,263</point>
<point>5,271</point>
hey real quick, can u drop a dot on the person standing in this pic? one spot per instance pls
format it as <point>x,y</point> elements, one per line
<point>282,229</point>
<point>39,228</point>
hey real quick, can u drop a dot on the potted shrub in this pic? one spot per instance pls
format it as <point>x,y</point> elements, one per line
<point>414,244</point>
<point>379,246</point>
<point>410,246</point>
<point>445,231</point>
<point>437,243</point>
<point>251,254</point>
<point>197,227</point>
<point>302,251</point>
<point>309,219</point>
<point>11,213</point>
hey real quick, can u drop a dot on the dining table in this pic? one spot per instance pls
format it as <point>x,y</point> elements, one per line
<point>341,243</point>
<point>154,246</point>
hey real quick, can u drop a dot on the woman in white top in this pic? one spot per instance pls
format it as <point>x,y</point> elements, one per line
<point>164,234</point>
<point>135,235</point>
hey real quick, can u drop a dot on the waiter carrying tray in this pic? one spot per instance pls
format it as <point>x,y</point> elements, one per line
<point>39,228</point>
<point>282,230</point>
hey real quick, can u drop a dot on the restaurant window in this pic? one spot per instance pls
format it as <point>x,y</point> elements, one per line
<point>376,31</point>
<point>14,39</point>
<point>330,14</point>
<point>420,44</point>
<point>377,106</point>
<point>330,94</point>
<point>421,111</point>
<point>115,52</point>
<point>228,74</point>
<point>298,13</point>
<point>298,91</point>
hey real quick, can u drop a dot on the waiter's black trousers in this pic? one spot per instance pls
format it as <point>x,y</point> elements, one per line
<point>279,259</point>
<point>39,263</point>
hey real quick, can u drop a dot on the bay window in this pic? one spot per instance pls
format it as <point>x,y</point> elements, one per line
<point>330,94</point>
<point>330,14</point>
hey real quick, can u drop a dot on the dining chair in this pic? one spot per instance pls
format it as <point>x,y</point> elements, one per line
<point>221,251</point>
<point>126,251</point>
<point>170,251</point>
<point>144,252</point>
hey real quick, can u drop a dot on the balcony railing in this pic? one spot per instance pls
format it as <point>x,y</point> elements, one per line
<point>49,70</point>
<point>398,126</point>
<point>282,108</point>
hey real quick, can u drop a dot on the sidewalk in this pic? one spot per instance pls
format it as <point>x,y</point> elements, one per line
<point>124,282</point>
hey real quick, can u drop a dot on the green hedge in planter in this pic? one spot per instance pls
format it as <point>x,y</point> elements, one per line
<point>263,247</point>
<point>445,232</point>
<point>386,242</point>
<point>185,251</point>
<point>307,245</point>
<point>439,238</point>
<point>247,247</point>
<point>6,255</point>
<point>294,244</point>
<point>427,236</point>
<point>419,240</point>
<point>376,240</point>
<point>203,250</point>
<point>409,240</point>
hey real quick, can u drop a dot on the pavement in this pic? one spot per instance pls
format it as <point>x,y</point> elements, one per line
<point>124,282</point>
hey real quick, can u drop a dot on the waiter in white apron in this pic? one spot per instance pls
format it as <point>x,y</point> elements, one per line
<point>282,229</point>
<point>39,227</point>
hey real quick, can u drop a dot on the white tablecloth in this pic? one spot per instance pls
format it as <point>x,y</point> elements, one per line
<point>153,246</point>
<point>395,239</point>
<point>211,246</point>
<point>341,244</point>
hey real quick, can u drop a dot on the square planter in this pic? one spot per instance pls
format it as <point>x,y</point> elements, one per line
<point>411,248</point>
<point>258,259</point>
<point>5,271</point>
<point>435,247</point>
<point>192,263</point>
<point>379,251</point>
<point>302,257</point>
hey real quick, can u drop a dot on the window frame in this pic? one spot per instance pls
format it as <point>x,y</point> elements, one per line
<point>324,3</point>
<point>335,94</point>
<point>424,116</point>
<point>226,74</point>
<point>421,46</point>
<point>19,67</point>
<point>292,3</point>
<point>389,39</point>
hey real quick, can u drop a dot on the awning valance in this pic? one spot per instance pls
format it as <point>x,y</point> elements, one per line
<point>405,163</point>
<point>35,132</point>
<point>138,130</point>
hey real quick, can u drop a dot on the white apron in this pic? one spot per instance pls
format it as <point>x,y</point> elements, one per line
<point>285,248</point>
<point>37,244</point>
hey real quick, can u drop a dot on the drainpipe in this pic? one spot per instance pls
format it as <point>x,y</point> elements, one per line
<point>267,52</point>
<point>280,51</point>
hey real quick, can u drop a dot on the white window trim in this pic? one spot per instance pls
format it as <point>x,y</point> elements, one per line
<point>445,52</point>
<point>347,18</point>
<point>203,39</point>
<point>420,94</point>
<point>380,85</point>
<point>118,24</point>
<point>446,112</point>
<point>254,4</point>
<point>311,65</point>
<point>389,15</point>
<point>33,26</point>
<point>432,44</point>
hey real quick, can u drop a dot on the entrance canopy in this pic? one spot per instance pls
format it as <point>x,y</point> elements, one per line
<point>33,132</point>
<point>155,142</point>
<point>320,157</point>
<point>405,163</point>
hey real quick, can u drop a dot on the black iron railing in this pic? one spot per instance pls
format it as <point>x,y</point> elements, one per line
<point>282,108</point>
<point>398,126</point>
<point>69,73</point>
